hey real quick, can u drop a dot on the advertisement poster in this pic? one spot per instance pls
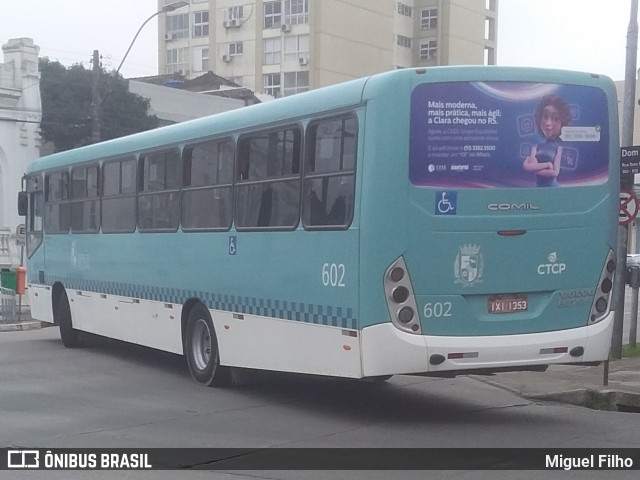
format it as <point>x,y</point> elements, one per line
<point>508,135</point>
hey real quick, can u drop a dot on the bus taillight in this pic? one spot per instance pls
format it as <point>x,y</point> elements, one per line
<point>400,299</point>
<point>602,298</point>
<point>400,294</point>
<point>396,274</point>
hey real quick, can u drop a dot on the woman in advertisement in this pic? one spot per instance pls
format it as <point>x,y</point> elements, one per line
<point>551,115</point>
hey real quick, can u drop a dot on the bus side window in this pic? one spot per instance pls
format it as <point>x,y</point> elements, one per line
<point>268,180</point>
<point>207,186</point>
<point>119,196</point>
<point>329,182</point>
<point>57,218</point>
<point>159,200</point>
<point>85,204</point>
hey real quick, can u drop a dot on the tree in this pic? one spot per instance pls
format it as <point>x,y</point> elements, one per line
<point>66,106</point>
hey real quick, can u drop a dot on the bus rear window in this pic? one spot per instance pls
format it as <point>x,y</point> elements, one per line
<point>508,135</point>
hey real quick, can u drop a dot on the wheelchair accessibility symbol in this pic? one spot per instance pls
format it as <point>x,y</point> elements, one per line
<point>446,202</point>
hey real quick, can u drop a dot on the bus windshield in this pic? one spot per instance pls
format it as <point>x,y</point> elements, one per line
<point>508,135</point>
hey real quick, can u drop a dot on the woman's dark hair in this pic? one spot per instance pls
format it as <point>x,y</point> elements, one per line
<point>559,104</point>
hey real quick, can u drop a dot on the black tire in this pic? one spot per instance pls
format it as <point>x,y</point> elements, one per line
<point>201,350</point>
<point>70,336</point>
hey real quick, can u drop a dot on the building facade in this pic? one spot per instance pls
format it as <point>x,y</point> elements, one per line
<point>20,115</point>
<point>284,47</point>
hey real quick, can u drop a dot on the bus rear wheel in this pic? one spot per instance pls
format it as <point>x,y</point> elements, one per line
<point>202,353</point>
<point>70,336</point>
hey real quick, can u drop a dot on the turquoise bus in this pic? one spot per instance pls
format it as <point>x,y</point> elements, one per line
<point>433,221</point>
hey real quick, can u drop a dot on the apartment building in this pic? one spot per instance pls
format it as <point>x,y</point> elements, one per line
<point>284,47</point>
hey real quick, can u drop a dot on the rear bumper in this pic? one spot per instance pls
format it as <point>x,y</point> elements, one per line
<point>386,350</point>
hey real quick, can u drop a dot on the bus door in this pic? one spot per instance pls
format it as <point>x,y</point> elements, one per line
<point>31,204</point>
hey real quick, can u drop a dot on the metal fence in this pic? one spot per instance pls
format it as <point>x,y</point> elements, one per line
<point>7,305</point>
<point>5,247</point>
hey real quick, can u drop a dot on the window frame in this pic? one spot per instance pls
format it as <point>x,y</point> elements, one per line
<point>119,195</point>
<point>201,26</point>
<point>272,56</point>
<point>184,189</point>
<point>87,198</point>
<point>427,51</point>
<point>142,192</point>
<point>428,19</point>
<point>272,19</point>
<point>173,28</point>
<point>235,13</point>
<point>405,10</point>
<point>404,41</point>
<point>238,182</point>
<point>298,86</point>
<point>205,60</point>
<point>306,175</point>
<point>295,12</point>
<point>181,62</point>
<point>273,88</point>
<point>60,203</point>
<point>302,47</point>
<point>235,49</point>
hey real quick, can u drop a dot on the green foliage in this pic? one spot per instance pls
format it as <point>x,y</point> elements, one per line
<point>597,400</point>
<point>67,106</point>
<point>628,352</point>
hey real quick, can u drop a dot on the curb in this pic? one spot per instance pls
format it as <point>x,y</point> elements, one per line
<point>22,326</point>
<point>612,400</point>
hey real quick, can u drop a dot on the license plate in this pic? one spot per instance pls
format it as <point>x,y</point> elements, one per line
<point>508,303</point>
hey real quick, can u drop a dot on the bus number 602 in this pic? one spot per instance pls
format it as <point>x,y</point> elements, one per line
<point>437,309</point>
<point>333,275</point>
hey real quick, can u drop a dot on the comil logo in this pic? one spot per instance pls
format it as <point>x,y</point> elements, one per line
<point>553,267</point>
<point>23,459</point>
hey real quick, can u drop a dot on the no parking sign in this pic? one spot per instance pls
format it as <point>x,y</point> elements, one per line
<point>629,207</point>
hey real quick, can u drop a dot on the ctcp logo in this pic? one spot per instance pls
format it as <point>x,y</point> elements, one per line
<point>553,267</point>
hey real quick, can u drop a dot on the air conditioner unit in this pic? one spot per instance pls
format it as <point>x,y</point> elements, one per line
<point>303,60</point>
<point>233,23</point>
<point>285,28</point>
<point>226,58</point>
<point>167,37</point>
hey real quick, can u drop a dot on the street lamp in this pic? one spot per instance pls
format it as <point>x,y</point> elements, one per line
<point>167,8</point>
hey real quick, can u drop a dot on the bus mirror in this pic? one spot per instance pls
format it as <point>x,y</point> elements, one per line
<point>23,203</point>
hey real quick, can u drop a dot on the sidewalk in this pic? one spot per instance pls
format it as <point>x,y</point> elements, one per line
<point>25,323</point>
<point>578,385</point>
<point>572,384</point>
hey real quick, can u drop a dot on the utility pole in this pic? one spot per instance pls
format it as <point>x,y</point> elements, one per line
<point>95,98</point>
<point>626,181</point>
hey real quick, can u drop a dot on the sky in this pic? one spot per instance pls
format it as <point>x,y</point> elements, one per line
<point>588,35</point>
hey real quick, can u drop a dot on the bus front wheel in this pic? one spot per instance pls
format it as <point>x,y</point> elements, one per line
<point>202,353</point>
<point>70,336</point>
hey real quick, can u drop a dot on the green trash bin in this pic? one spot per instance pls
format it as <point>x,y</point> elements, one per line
<point>8,279</point>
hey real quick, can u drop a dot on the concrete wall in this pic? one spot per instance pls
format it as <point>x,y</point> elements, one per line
<point>172,105</point>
